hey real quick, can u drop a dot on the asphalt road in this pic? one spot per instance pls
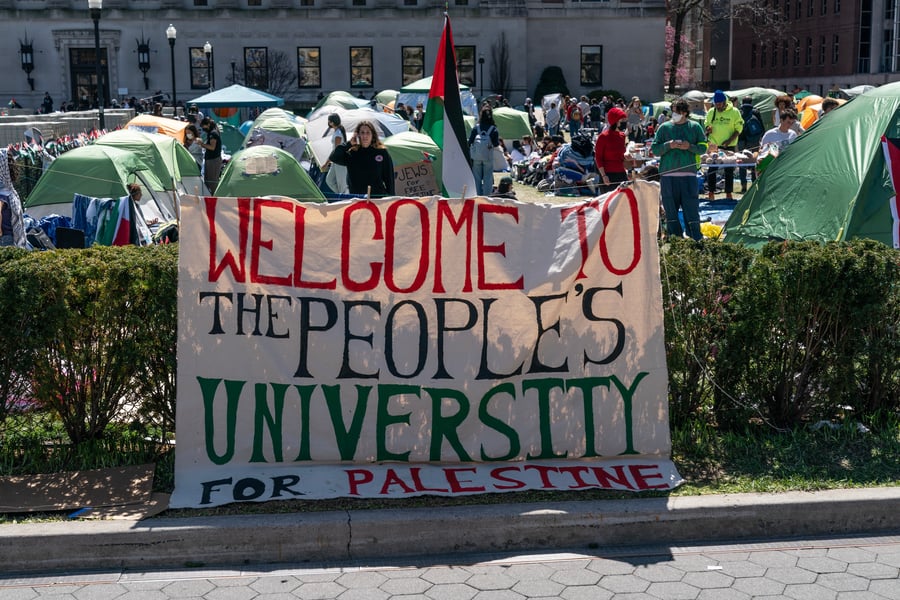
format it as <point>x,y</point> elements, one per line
<point>837,568</point>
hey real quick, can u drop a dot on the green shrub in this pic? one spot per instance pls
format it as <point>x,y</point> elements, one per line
<point>101,305</point>
<point>552,81</point>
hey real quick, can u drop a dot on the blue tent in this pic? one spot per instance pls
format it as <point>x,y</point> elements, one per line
<point>237,96</point>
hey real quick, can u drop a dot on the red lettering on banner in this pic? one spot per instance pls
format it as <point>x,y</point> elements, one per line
<point>582,230</point>
<point>415,474</point>
<point>238,272</point>
<point>544,472</point>
<point>457,486</point>
<point>358,477</point>
<point>635,232</point>
<point>258,242</point>
<point>372,281</point>
<point>444,214</point>
<point>576,473</point>
<point>391,478</point>
<point>500,475</point>
<point>299,246</point>
<point>640,478</point>
<point>390,246</point>
<point>609,480</point>
<point>485,248</point>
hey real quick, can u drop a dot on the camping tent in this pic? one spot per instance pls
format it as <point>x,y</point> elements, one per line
<point>831,183</point>
<point>169,160</point>
<point>763,101</point>
<point>162,125</point>
<point>417,93</point>
<point>279,128</point>
<point>95,170</point>
<point>237,96</point>
<point>388,124</point>
<point>336,99</point>
<point>267,171</point>
<point>511,123</point>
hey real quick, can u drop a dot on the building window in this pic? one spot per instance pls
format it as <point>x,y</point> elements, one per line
<point>358,3</point>
<point>774,62</point>
<point>824,7</point>
<point>254,2</point>
<point>412,60</point>
<point>309,67</point>
<point>821,50</point>
<point>799,10</point>
<point>200,3</point>
<point>256,68</point>
<point>410,2</point>
<point>837,7</point>
<point>784,53</point>
<point>461,2</point>
<point>835,49</point>
<point>752,56</point>
<point>307,2</point>
<point>808,51</point>
<point>810,8</point>
<point>465,64</point>
<point>199,69</point>
<point>796,52</point>
<point>787,9</point>
<point>762,56</point>
<point>592,65</point>
<point>361,67</point>
<point>864,54</point>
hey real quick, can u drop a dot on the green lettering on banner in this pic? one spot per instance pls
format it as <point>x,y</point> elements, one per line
<point>272,419</point>
<point>386,419</point>
<point>208,389</point>
<point>347,439</point>
<point>306,392</point>
<point>586,385</point>
<point>498,425</point>
<point>446,427</point>
<point>543,387</point>
<point>627,408</point>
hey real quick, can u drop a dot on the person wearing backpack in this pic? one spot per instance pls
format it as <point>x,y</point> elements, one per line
<point>482,141</point>
<point>749,138</point>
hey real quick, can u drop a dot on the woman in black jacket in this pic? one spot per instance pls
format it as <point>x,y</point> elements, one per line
<point>368,163</point>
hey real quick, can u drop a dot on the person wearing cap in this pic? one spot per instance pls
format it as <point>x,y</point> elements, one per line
<point>609,151</point>
<point>723,128</point>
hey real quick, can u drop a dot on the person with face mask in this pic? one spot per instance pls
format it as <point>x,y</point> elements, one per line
<point>678,143</point>
<point>609,150</point>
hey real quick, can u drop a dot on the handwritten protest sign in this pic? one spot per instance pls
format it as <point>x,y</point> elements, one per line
<point>416,179</point>
<point>401,347</point>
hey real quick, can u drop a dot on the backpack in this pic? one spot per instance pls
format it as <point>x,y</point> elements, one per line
<point>480,148</point>
<point>753,127</point>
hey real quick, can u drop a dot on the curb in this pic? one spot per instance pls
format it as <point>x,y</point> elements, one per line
<point>360,534</point>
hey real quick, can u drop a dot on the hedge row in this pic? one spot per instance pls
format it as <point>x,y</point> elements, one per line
<point>795,332</point>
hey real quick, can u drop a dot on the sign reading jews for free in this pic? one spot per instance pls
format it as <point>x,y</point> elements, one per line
<point>395,348</point>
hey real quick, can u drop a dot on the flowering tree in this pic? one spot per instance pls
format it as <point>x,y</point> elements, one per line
<point>677,73</point>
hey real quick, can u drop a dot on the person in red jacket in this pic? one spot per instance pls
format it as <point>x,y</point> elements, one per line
<point>609,151</point>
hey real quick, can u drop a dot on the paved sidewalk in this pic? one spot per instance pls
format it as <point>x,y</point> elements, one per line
<point>858,568</point>
<point>361,534</point>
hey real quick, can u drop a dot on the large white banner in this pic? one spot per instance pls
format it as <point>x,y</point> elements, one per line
<point>402,347</point>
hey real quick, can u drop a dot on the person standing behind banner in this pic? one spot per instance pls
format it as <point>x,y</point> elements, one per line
<point>609,150</point>
<point>212,158</point>
<point>336,177</point>
<point>193,143</point>
<point>678,144</point>
<point>483,138</point>
<point>368,163</point>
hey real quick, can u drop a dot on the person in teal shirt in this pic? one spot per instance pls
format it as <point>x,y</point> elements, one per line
<point>679,142</point>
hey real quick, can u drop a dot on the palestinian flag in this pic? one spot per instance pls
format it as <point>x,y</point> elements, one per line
<point>891,147</point>
<point>444,121</point>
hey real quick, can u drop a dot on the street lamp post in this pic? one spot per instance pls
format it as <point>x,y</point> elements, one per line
<point>95,7</point>
<point>481,74</point>
<point>207,50</point>
<point>171,33</point>
<point>712,72</point>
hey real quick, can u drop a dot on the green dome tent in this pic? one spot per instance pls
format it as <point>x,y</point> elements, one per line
<point>97,171</point>
<point>279,128</point>
<point>831,183</point>
<point>169,160</point>
<point>267,171</point>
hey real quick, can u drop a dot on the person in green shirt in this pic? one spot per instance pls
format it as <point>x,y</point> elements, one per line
<point>678,143</point>
<point>724,124</point>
